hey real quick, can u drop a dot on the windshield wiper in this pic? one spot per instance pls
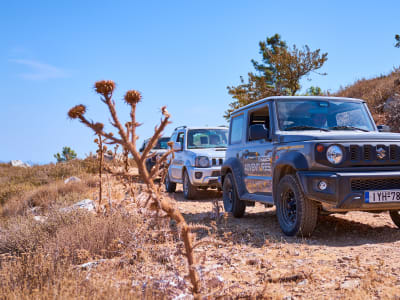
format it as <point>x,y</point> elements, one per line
<point>305,127</point>
<point>348,128</point>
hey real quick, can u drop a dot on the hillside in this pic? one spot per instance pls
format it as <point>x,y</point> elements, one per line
<point>377,92</point>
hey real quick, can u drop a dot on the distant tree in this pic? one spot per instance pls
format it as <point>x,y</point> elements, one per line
<point>279,72</point>
<point>397,38</point>
<point>66,154</point>
<point>314,91</point>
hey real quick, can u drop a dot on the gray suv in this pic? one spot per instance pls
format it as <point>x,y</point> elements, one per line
<point>310,155</point>
<point>199,154</point>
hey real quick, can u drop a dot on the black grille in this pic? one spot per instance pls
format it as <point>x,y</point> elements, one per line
<point>394,152</point>
<point>367,152</point>
<point>217,161</point>
<point>375,184</point>
<point>354,152</point>
<point>215,173</point>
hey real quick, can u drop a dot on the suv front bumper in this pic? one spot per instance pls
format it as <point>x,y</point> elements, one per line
<point>346,190</point>
<point>205,176</point>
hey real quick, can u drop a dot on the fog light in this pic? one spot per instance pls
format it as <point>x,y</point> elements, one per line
<point>322,185</point>
<point>198,175</point>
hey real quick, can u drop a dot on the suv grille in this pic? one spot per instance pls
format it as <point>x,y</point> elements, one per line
<point>217,161</point>
<point>215,174</point>
<point>375,184</point>
<point>378,152</point>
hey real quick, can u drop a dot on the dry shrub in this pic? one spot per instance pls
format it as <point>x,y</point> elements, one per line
<point>55,194</point>
<point>375,92</point>
<point>14,181</point>
<point>72,232</point>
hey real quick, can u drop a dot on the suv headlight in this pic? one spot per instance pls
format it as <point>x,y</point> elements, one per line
<point>334,154</point>
<point>202,162</point>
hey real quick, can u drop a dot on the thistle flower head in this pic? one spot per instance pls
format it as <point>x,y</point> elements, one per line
<point>77,111</point>
<point>132,97</point>
<point>96,141</point>
<point>98,127</point>
<point>104,87</point>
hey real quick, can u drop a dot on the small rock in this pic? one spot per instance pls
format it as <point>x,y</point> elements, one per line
<point>215,281</point>
<point>40,218</point>
<point>72,179</point>
<point>350,284</point>
<point>19,163</point>
<point>84,204</point>
<point>303,282</point>
<point>91,264</point>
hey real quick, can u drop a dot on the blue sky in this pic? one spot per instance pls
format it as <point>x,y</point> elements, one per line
<point>182,54</point>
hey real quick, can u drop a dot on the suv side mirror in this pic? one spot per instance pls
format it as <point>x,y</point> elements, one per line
<point>384,128</point>
<point>258,132</point>
<point>177,146</point>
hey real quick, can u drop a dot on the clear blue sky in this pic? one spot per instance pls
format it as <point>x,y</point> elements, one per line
<point>182,54</point>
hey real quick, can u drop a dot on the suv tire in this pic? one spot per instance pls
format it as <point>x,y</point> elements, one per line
<point>170,186</point>
<point>395,216</point>
<point>297,215</point>
<point>189,190</point>
<point>232,202</point>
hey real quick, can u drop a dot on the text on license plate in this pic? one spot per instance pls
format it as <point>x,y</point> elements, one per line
<point>382,196</point>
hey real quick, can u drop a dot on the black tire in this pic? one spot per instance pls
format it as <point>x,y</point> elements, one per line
<point>297,215</point>
<point>189,190</point>
<point>170,187</point>
<point>395,216</point>
<point>232,202</point>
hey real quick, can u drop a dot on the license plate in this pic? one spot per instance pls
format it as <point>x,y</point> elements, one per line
<point>382,196</point>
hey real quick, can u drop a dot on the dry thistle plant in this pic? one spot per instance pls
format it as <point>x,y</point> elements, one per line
<point>100,157</point>
<point>127,139</point>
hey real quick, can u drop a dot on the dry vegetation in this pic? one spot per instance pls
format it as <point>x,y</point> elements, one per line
<point>375,92</point>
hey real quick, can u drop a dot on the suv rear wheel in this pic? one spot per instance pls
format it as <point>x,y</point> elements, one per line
<point>189,190</point>
<point>232,202</point>
<point>395,216</point>
<point>297,215</point>
<point>169,186</point>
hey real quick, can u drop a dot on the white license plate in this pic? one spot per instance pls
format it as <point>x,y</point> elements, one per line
<point>382,196</point>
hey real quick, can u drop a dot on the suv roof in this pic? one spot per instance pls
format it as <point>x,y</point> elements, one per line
<point>201,127</point>
<point>295,98</point>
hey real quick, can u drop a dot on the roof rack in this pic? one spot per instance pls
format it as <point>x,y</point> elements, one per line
<point>184,126</point>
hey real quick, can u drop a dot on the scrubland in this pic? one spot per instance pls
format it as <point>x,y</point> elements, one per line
<point>127,251</point>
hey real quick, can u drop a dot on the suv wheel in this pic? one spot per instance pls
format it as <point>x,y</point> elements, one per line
<point>395,216</point>
<point>188,189</point>
<point>297,215</point>
<point>232,202</point>
<point>169,186</point>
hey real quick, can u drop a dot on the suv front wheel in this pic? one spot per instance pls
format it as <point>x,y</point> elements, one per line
<point>297,215</point>
<point>232,202</point>
<point>169,186</point>
<point>189,190</point>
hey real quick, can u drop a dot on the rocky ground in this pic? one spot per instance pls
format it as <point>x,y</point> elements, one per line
<point>354,255</point>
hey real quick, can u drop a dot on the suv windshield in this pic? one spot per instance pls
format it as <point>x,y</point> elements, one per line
<point>323,115</point>
<point>207,138</point>
<point>162,143</point>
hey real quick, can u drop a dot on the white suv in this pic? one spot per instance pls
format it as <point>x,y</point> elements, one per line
<point>199,154</point>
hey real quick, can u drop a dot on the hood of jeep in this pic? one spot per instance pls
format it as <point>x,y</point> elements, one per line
<point>210,152</point>
<point>336,135</point>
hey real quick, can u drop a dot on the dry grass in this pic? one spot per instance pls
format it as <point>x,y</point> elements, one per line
<point>14,181</point>
<point>375,92</point>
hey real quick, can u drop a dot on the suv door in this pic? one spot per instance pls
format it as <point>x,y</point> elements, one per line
<point>178,162</point>
<point>257,154</point>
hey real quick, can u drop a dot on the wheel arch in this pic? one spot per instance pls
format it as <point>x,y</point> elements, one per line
<point>289,163</point>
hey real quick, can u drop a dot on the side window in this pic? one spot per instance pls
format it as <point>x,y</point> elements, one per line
<point>180,137</point>
<point>236,129</point>
<point>259,116</point>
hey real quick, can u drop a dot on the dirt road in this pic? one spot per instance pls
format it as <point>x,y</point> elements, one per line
<point>354,255</point>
